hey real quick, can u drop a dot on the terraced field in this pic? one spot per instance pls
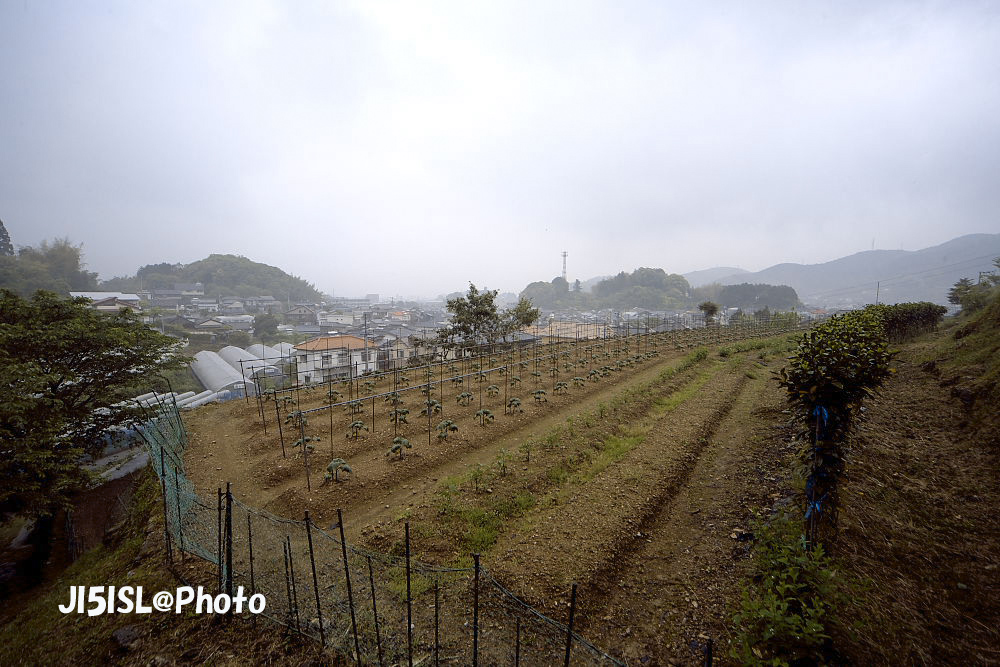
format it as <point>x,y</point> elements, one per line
<point>636,486</point>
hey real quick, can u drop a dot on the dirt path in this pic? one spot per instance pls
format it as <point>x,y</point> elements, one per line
<point>576,537</point>
<point>673,589</point>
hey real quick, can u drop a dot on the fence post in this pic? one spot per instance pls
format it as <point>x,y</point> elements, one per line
<point>569,628</point>
<point>253,582</point>
<point>409,601</point>
<point>291,576</point>
<point>437,607</point>
<point>517,644</point>
<point>350,594</point>
<point>218,541</point>
<point>281,435</point>
<point>166,525</point>
<point>177,502</point>
<point>312,564</point>
<point>378,633</point>
<point>708,653</point>
<point>288,583</point>
<point>229,540</point>
<point>475,612</point>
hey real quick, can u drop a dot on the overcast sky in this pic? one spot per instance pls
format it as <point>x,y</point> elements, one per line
<point>409,148</point>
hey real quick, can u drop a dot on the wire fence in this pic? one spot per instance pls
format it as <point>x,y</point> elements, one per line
<point>374,608</point>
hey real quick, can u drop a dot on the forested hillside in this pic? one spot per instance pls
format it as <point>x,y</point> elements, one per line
<point>221,275</point>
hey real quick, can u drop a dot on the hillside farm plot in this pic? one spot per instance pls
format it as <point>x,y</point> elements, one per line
<point>565,488</point>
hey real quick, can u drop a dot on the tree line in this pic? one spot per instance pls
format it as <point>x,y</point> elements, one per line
<point>655,289</point>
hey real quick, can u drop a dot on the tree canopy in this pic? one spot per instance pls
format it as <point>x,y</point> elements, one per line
<point>475,318</point>
<point>65,368</point>
<point>653,289</point>
<point>56,266</point>
<point>6,247</point>
<point>222,275</point>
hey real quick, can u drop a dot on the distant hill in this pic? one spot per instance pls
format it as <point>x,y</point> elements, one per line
<point>899,275</point>
<point>708,276</point>
<point>221,275</point>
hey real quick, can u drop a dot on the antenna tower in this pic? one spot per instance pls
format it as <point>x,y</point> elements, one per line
<point>564,255</point>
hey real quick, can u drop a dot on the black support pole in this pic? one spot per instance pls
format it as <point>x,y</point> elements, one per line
<point>166,525</point>
<point>312,563</point>
<point>229,540</point>
<point>281,435</point>
<point>437,616</point>
<point>378,633</point>
<point>350,594</point>
<point>219,535</point>
<point>569,628</point>
<point>409,602</point>
<point>475,612</point>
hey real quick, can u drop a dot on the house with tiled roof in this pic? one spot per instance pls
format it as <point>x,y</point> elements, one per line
<point>334,357</point>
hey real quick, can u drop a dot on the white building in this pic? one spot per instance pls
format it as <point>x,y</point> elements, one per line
<point>334,357</point>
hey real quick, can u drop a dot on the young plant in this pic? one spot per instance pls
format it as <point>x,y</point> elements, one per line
<point>445,428</point>
<point>399,445</point>
<point>296,418</point>
<point>431,407</point>
<point>334,468</point>
<point>514,405</point>
<point>561,387</point>
<point>579,381</point>
<point>484,416</point>
<point>477,476</point>
<point>398,415</point>
<point>465,398</point>
<point>540,396</point>
<point>493,390</point>
<point>354,407</point>
<point>503,458</point>
<point>355,429</point>
<point>306,443</point>
<point>525,449</point>
<point>334,395</point>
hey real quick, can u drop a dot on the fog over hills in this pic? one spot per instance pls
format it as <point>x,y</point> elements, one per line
<point>713,275</point>
<point>898,275</point>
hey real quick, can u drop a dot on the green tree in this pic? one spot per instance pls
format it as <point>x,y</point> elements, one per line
<point>709,309</point>
<point>475,318</point>
<point>265,326</point>
<point>56,266</point>
<point>65,369</point>
<point>6,247</point>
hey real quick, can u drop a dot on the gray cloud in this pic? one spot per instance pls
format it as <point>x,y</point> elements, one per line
<point>407,149</point>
